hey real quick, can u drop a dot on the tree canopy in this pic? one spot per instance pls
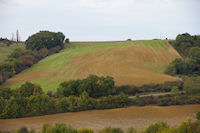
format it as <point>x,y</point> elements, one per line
<point>45,39</point>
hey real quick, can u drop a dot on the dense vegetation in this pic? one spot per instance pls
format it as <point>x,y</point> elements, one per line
<point>21,59</point>
<point>189,47</point>
<point>92,92</point>
<point>45,39</point>
<point>187,126</point>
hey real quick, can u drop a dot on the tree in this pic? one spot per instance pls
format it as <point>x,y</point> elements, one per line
<point>194,53</point>
<point>44,39</point>
<point>6,93</point>
<point>191,85</point>
<point>67,40</point>
<point>181,66</point>
<point>28,89</point>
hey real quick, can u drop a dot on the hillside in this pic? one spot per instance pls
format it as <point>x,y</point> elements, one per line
<point>6,50</point>
<point>129,62</point>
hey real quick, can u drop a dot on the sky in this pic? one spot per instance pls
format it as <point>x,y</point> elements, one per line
<point>101,20</point>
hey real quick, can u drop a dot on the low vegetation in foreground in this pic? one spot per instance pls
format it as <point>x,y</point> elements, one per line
<point>90,93</point>
<point>187,126</point>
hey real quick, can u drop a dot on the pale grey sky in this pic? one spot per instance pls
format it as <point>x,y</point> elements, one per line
<point>97,20</point>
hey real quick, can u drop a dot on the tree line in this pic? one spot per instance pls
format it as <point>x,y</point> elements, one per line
<point>90,93</point>
<point>186,126</point>
<point>38,46</point>
<point>189,47</point>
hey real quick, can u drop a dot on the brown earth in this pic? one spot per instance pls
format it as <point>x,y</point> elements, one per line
<point>138,117</point>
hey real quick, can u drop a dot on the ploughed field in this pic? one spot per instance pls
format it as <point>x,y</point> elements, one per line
<point>129,62</point>
<point>138,117</point>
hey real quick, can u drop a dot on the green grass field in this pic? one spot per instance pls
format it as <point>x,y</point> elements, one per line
<point>79,59</point>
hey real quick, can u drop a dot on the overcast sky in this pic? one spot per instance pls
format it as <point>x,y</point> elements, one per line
<point>96,20</point>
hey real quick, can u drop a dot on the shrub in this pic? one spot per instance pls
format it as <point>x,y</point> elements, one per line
<point>23,130</point>
<point>194,53</point>
<point>155,127</point>
<point>111,130</point>
<point>181,66</point>
<point>131,130</point>
<point>27,60</point>
<point>191,85</point>
<point>85,130</point>
<point>19,52</point>
<point>198,115</point>
<point>28,89</point>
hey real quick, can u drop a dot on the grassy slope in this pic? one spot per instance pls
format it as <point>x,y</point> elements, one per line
<point>129,62</point>
<point>5,50</point>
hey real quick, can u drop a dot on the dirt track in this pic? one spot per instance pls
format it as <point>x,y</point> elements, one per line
<point>138,117</point>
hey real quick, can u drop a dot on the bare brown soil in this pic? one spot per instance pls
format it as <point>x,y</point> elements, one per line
<point>138,117</point>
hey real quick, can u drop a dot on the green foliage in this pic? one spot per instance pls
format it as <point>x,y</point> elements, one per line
<point>16,53</point>
<point>198,115</point>
<point>40,105</point>
<point>191,85</point>
<point>44,39</point>
<point>6,93</point>
<point>181,66</point>
<point>131,130</point>
<point>111,130</point>
<point>58,128</point>
<point>85,130</point>
<point>28,89</point>
<point>95,86</point>
<point>14,108</point>
<point>174,91</point>
<point>156,127</point>
<point>194,53</point>
<point>22,130</point>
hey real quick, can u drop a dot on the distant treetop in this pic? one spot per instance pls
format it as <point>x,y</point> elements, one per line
<point>45,39</point>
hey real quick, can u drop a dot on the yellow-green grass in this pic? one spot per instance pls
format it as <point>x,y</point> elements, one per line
<point>6,50</point>
<point>129,62</point>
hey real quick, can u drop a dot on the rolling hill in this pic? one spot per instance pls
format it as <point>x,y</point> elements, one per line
<point>129,62</point>
<point>6,50</point>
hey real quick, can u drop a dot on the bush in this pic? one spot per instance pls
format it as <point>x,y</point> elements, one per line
<point>155,127</point>
<point>28,89</point>
<point>198,115</point>
<point>111,130</point>
<point>58,128</point>
<point>181,66</point>
<point>27,60</point>
<point>194,53</point>
<point>131,130</point>
<point>85,130</point>
<point>95,86</point>
<point>191,85</point>
<point>44,39</point>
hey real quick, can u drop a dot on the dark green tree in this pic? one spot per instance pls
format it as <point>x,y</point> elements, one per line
<point>194,53</point>
<point>44,39</point>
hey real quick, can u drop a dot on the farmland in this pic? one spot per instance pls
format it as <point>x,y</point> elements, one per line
<point>129,62</point>
<point>138,117</point>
